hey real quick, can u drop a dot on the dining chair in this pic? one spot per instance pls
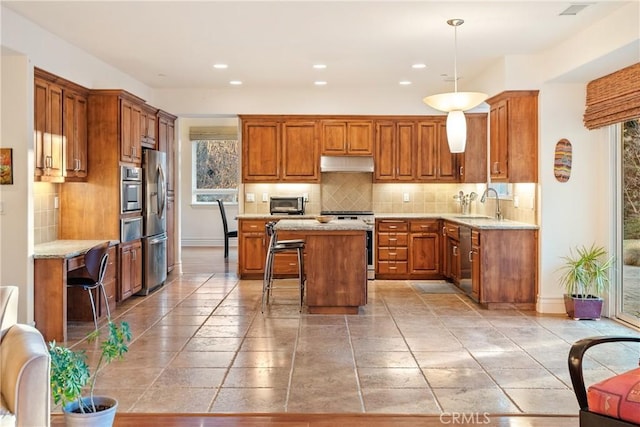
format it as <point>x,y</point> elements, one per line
<point>227,234</point>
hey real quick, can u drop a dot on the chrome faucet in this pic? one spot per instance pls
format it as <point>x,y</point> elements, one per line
<point>484,198</point>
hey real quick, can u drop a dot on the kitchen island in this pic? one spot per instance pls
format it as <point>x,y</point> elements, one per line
<point>335,263</point>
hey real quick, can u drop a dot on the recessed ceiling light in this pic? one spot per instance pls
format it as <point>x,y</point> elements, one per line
<point>220,66</point>
<point>419,66</point>
<point>319,66</point>
<point>320,83</point>
<point>235,82</point>
<point>405,82</point>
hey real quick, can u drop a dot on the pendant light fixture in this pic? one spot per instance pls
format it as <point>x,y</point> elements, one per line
<point>455,103</point>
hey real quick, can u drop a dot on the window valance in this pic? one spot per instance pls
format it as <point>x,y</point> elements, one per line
<point>613,98</point>
<point>201,133</point>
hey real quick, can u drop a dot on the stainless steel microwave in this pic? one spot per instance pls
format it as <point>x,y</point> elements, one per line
<point>130,189</point>
<point>286,205</point>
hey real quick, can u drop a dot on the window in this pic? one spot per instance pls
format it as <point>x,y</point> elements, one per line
<point>214,171</point>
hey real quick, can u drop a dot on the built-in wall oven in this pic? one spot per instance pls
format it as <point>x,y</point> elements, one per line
<point>130,189</point>
<point>369,219</point>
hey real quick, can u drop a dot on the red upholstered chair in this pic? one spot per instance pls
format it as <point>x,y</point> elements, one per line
<point>614,402</point>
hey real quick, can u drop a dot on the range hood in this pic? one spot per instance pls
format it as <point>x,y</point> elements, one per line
<point>346,164</point>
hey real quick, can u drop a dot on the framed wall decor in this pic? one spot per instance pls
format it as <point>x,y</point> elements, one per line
<point>6,166</point>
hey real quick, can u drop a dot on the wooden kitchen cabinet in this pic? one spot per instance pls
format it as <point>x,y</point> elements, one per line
<point>130,134</point>
<point>451,251</point>
<point>252,248</point>
<point>394,151</point>
<point>148,127</point>
<point>504,268</point>
<point>392,248</point>
<point>48,129</point>
<point>346,137</point>
<point>280,150</point>
<point>75,135</point>
<point>130,269</point>
<point>435,163</point>
<point>472,166</point>
<point>78,303</point>
<point>513,136</point>
<point>424,248</point>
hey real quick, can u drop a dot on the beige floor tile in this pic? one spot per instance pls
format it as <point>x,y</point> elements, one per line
<point>460,358</point>
<point>163,400</point>
<point>324,400</point>
<point>168,331</point>
<point>190,377</point>
<point>538,378</point>
<point>321,377</point>
<point>505,359</point>
<point>221,331</point>
<point>555,401</point>
<point>234,400</point>
<point>127,378</point>
<point>399,401</point>
<point>257,377</point>
<point>386,359</point>
<point>203,359</point>
<point>263,359</point>
<point>391,378</point>
<point>458,378</point>
<point>463,400</point>
<point>176,319</point>
<point>364,345</point>
<point>213,344</point>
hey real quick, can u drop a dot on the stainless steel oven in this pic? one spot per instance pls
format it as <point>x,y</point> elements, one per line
<point>130,189</point>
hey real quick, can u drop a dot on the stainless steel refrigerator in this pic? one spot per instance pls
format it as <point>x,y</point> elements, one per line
<point>154,214</point>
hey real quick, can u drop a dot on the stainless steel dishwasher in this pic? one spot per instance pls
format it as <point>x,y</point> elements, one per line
<point>465,259</point>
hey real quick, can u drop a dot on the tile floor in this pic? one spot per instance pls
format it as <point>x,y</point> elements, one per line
<point>201,344</point>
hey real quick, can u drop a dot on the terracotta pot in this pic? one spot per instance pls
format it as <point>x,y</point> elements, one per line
<point>583,307</point>
<point>102,418</point>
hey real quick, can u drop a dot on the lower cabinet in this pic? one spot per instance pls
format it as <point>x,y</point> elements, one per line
<point>78,303</point>
<point>451,251</point>
<point>130,269</point>
<point>424,248</point>
<point>392,248</point>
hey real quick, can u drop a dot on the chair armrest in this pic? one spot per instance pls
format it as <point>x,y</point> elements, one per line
<point>576,354</point>
<point>25,377</point>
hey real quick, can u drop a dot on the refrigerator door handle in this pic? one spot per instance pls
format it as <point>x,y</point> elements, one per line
<point>162,193</point>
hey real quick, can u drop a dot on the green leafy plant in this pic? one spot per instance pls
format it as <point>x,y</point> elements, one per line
<point>586,271</point>
<point>70,372</point>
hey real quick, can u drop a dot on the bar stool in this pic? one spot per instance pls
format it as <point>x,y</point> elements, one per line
<point>95,261</point>
<point>280,246</point>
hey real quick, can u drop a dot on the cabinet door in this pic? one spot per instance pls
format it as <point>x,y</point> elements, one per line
<point>110,282</point>
<point>498,143</point>
<point>136,267</point>
<point>384,158</point>
<point>476,272</point>
<point>126,266</point>
<point>166,138</point>
<point>261,151</point>
<point>148,127</point>
<point>427,152</point>
<point>48,126</point>
<point>446,162</point>
<point>360,138</point>
<point>300,159</point>
<point>251,247</point>
<point>405,143</point>
<point>75,135</point>
<point>333,137</point>
<point>130,139</point>
<point>473,166</point>
<point>425,253</point>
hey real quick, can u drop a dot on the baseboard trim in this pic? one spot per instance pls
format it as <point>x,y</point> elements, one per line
<point>550,305</point>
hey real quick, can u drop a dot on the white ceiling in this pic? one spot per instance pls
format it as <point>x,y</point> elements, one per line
<point>173,44</point>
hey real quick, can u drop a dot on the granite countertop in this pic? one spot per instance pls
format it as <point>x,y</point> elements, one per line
<point>269,216</point>
<point>476,221</point>
<point>313,225</point>
<point>66,248</point>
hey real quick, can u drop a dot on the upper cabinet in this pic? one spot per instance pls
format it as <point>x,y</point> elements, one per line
<point>130,140</point>
<point>60,129</point>
<point>279,150</point>
<point>148,126</point>
<point>435,162</point>
<point>513,136</point>
<point>472,164</point>
<point>347,137</point>
<point>394,148</point>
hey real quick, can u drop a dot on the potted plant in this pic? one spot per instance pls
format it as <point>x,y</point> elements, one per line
<point>585,277</point>
<point>70,374</point>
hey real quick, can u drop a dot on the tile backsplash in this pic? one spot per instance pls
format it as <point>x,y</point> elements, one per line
<point>46,215</point>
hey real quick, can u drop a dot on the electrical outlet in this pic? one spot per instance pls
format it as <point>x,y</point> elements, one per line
<point>516,201</point>
<point>305,196</point>
<point>405,197</point>
<point>265,197</point>
<point>250,197</point>
<point>1,208</point>
<point>56,202</point>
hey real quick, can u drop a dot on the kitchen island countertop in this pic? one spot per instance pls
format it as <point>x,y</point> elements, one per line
<point>313,225</point>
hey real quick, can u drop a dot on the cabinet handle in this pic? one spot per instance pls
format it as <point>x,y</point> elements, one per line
<point>496,167</point>
<point>444,231</point>
<point>393,226</point>
<point>461,170</point>
<point>470,256</point>
<point>392,240</point>
<point>455,251</point>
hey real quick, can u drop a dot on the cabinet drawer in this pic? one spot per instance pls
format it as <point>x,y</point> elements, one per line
<point>112,269</point>
<point>391,267</point>
<point>452,231</point>
<point>425,226</point>
<point>392,254</point>
<point>392,240</point>
<point>252,226</point>
<point>75,263</point>
<point>475,238</point>
<point>391,226</point>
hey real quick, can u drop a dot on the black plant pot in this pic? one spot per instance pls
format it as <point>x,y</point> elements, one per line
<point>583,306</point>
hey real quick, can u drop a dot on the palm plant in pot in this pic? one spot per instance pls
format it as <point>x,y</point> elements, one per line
<point>585,277</point>
<point>70,374</point>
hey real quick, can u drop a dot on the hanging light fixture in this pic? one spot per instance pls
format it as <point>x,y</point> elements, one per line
<point>455,103</point>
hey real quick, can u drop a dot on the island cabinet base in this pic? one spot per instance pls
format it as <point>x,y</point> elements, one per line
<point>336,271</point>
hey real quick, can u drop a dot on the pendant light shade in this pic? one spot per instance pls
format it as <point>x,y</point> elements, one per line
<point>455,103</point>
<point>456,131</point>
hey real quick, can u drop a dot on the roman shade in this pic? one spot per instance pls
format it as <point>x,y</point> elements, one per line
<point>220,133</point>
<point>613,98</point>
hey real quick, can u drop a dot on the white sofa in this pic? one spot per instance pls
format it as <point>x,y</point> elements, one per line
<point>24,368</point>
